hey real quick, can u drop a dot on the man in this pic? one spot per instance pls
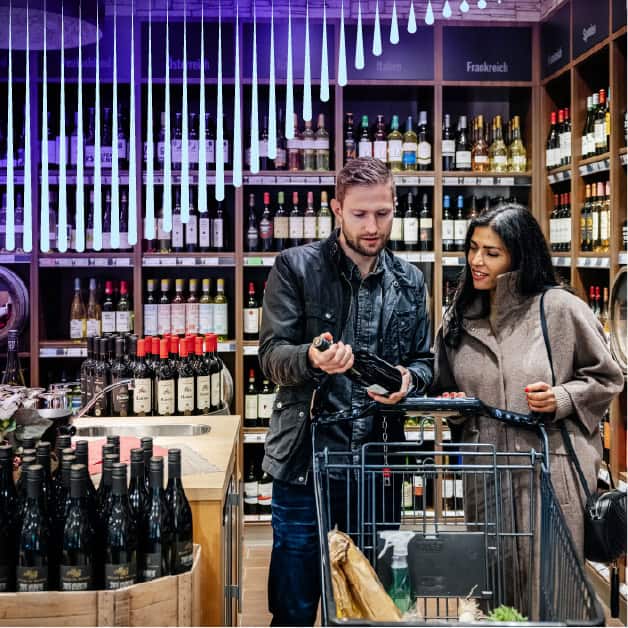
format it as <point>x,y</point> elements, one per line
<point>352,287</point>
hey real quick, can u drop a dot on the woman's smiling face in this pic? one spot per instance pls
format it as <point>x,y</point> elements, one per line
<point>488,258</point>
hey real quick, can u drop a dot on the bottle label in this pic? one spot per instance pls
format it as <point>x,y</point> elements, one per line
<point>216,389</point>
<point>307,143</point>
<point>205,318</point>
<point>221,319</point>
<point>108,322</point>
<point>417,485</point>
<point>31,579</point>
<point>203,392</point>
<point>185,394</point>
<point>123,322</point>
<point>165,397</point>
<point>590,142</point>
<point>500,160</point>
<point>424,153</point>
<point>250,407</point>
<point>218,233</point>
<point>296,227</point>
<point>396,232</point>
<point>409,153</point>
<point>176,151</point>
<point>76,329</point>
<point>89,155</point>
<point>191,318</point>
<point>282,227</point>
<point>120,575</point>
<point>106,155</point>
<point>324,227</point>
<point>379,150</point>
<point>600,133</point>
<point>210,151</point>
<point>73,150</point>
<point>265,405</point>
<point>152,566</point>
<point>604,225</point>
<point>321,143</point>
<point>184,550</point>
<point>124,241</point>
<point>280,159</point>
<point>106,240</point>
<point>263,148</point>
<point>191,231</point>
<point>395,150</point>
<point>448,229</point>
<point>596,226</point>
<point>178,318</point>
<point>163,319</point>
<point>266,230</point>
<point>75,578</point>
<point>250,493</point>
<point>120,399</point>
<point>265,494</point>
<point>193,151</point>
<point>519,162</point>
<point>449,148</point>
<point>460,230</point>
<point>150,319</point>
<point>294,144</point>
<point>122,148</point>
<point>463,160</point>
<point>481,159</point>
<point>365,149</point>
<point>142,389</point>
<point>204,236</point>
<point>177,231</point>
<point>411,230</point>
<point>162,234</point>
<point>251,320</point>
<point>426,230</point>
<point>101,405</point>
<point>309,227</point>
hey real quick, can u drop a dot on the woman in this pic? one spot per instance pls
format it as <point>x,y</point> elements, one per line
<point>491,346</point>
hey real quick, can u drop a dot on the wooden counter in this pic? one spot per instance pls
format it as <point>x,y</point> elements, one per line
<point>217,516</point>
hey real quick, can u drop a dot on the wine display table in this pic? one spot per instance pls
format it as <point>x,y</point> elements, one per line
<point>213,496</point>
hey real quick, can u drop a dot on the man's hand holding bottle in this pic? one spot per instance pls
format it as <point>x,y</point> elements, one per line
<point>338,358</point>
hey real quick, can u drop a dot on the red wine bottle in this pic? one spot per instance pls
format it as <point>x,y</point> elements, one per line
<point>182,540</point>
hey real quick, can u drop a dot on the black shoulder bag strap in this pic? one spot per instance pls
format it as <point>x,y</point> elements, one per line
<point>563,428</point>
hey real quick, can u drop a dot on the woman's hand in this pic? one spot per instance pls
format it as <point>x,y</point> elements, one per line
<point>541,398</point>
<point>396,397</point>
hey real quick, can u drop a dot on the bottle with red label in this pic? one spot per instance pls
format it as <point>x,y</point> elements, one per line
<point>251,315</point>
<point>266,226</point>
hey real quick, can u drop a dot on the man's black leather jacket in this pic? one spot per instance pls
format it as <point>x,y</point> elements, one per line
<point>306,296</point>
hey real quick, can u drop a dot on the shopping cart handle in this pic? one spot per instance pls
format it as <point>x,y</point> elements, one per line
<point>461,406</point>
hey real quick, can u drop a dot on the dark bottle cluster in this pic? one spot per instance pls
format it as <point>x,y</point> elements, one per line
<point>412,228</point>
<point>162,377</point>
<point>259,400</point>
<point>58,532</point>
<point>275,227</point>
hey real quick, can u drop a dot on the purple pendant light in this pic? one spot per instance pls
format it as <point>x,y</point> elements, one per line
<point>202,144</point>
<point>289,131</point>
<point>254,144</point>
<point>10,209</point>
<point>115,184</point>
<point>80,156</point>
<point>446,10</point>
<point>149,226</point>
<point>324,91</point>
<point>185,133</point>
<point>412,19</point>
<point>237,114</point>
<point>394,25</point>
<point>342,49</point>
<point>167,200</point>
<point>44,232</point>
<point>377,33</point>
<point>97,159</point>
<point>359,41</point>
<point>429,14</point>
<point>307,69</point>
<point>28,203</point>
<point>272,96</point>
<point>220,147</point>
<point>63,190</point>
<point>132,145</point>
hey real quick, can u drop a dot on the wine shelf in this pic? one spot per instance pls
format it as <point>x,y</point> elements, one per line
<point>70,349</point>
<point>559,175</point>
<point>561,261</point>
<point>223,260</point>
<point>15,258</point>
<point>300,178</point>
<point>88,260</point>
<point>158,178</point>
<point>88,177</point>
<point>486,179</point>
<point>594,165</point>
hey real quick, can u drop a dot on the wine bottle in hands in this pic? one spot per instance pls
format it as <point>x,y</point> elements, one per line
<point>368,370</point>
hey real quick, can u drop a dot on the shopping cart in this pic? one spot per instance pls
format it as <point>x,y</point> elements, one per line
<point>487,524</point>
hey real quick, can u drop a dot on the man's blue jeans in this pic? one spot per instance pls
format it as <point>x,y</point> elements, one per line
<point>294,580</point>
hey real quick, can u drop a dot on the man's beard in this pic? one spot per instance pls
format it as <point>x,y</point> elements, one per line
<point>354,245</point>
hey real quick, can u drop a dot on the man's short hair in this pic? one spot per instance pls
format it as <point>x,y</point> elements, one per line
<point>364,171</point>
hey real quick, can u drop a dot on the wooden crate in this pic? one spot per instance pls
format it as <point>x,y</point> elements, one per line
<point>168,601</point>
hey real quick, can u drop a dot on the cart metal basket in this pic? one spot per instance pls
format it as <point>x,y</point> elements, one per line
<point>487,524</point>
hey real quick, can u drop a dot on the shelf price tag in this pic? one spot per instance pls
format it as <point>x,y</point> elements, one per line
<point>332,180</point>
<point>80,261</point>
<point>254,261</point>
<point>150,261</point>
<point>100,261</point>
<point>122,261</point>
<point>453,261</point>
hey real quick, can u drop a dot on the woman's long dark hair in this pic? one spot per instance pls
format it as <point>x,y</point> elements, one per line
<point>524,240</point>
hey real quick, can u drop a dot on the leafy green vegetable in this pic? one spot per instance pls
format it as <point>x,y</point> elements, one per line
<point>505,614</point>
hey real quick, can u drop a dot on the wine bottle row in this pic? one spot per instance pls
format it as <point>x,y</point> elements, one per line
<point>167,377</point>
<point>411,150</point>
<point>258,491</point>
<point>184,315</point>
<point>558,146</point>
<point>259,400</point>
<point>113,316</point>
<point>595,218</point>
<point>57,531</point>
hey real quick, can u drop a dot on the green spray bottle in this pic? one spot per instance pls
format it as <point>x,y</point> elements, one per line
<point>400,590</point>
